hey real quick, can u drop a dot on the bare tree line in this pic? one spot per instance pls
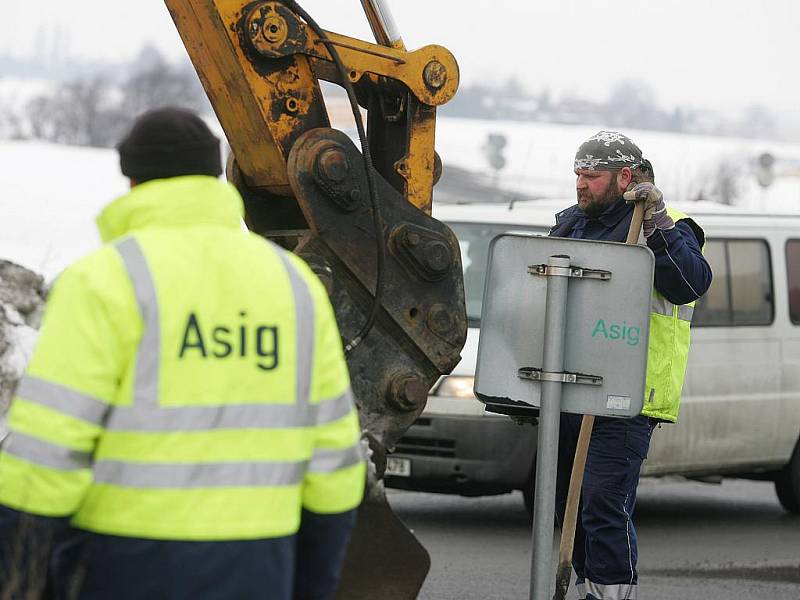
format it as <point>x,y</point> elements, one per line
<point>96,111</point>
<point>630,103</point>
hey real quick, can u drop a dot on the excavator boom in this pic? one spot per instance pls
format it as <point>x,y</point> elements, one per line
<point>362,221</point>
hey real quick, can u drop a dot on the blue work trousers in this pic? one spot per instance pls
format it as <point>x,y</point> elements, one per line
<point>605,553</point>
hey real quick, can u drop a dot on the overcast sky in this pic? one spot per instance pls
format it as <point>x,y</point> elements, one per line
<point>701,53</point>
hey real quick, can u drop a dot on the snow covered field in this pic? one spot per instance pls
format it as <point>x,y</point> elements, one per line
<point>50,195</point>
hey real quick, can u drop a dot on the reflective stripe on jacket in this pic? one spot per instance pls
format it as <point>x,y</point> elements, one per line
<point>188,383</point>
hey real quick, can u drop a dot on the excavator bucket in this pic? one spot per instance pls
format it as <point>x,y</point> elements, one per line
<point>385,559</point>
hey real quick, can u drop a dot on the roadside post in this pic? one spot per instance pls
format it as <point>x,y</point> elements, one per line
<point>565,325</point>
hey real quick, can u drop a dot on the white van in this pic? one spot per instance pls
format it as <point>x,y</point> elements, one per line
<point>740,413</point>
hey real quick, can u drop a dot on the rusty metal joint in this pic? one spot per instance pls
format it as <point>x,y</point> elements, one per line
<point>427,253</point>
<point>435,75</point>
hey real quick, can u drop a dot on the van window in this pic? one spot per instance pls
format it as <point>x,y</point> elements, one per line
<point>741,291</point>
<point>714,308</point>
<point>793,276</point>
<point>474,240</point>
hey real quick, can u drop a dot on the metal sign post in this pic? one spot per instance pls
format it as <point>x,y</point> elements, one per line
<point>559,312</point>
<point>547,451</point>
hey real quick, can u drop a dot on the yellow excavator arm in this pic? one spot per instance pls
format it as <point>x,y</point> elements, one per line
<point>361,219</point>
<point>260,64</point>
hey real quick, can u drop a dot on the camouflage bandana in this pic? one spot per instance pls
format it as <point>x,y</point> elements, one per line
<point>608,151</point>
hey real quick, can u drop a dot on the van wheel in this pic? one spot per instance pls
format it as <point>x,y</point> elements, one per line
<point>787,483</point>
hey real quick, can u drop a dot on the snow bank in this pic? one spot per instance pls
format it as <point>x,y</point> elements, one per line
<point>22,294</point>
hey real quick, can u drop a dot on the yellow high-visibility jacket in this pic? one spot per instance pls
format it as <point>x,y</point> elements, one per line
<point>667,351</point>
<point>188,382</point>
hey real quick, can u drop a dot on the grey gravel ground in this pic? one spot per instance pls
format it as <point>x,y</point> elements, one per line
<point>697,541</point>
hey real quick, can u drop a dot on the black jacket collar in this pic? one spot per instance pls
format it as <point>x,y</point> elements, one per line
<point>610,218</point>
<point>614,215</point>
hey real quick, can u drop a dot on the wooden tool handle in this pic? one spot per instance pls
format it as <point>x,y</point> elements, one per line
<point>564,572</point>
<point>636,224</point>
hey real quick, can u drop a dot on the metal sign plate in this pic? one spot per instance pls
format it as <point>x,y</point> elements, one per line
<point>608,322</point>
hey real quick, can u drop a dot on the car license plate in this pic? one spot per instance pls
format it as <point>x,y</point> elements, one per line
<point>399,467</point>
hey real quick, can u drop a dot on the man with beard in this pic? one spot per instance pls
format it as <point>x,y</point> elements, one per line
<point>611,173</point>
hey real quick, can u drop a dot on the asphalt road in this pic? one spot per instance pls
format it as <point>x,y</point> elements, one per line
<point>696,541</point>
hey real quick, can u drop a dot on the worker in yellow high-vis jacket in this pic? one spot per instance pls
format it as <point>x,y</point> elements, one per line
<point>185,428</point>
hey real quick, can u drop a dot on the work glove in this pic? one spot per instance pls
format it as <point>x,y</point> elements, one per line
<point>655,211</point>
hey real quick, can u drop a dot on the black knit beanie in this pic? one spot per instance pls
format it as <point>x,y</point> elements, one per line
<point>169,142</point>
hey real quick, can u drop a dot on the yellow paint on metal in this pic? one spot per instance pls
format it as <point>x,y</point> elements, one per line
<point>362,57</point>
<point>420,159</point>
<point>251,106</point>
<point>265,104</point>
